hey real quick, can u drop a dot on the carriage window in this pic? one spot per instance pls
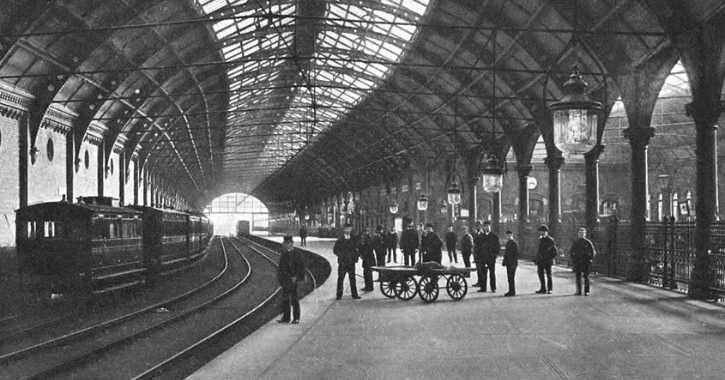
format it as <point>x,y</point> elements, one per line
<point>112,230</point>
<point>30,226</point>
<point>49,229</point>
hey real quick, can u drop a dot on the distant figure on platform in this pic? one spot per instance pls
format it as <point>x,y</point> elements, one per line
<point>451,241</point>
<point>582,252</point>
<point>420,231</point>
<point>409,243</point>
<point>391,241</point>
<point>511,261</point>
<point>431,245</point>
<point>545,259</point>
<point>486,247</point>
<point>466,249</point>
<point>367,253</point>
<point>379,246</point>
<point>303,235</point>
<point>290,272</point>
<point>346,250</point>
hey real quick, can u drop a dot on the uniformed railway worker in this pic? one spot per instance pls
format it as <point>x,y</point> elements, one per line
<point>511,262</point>
<point>367,252</point>
<point>545,259</point>
<point>409,243</point>
<point>290,272</point>
<point>486,247</point>
<point>431,245</point>
<point>582,252</point>
<point>346,250</point>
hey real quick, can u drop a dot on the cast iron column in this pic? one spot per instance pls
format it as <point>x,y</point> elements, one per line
<point>70,166</point>
<point>592,193</point>
<point>472,203</point>
<point>705,114</point>
<point>496,217</point>
<point>554,163</point>
<point>524,172</point>
<point>638,139</point>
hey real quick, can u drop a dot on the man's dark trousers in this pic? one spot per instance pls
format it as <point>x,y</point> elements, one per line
<point>348,269</point>
<point>290,298</point>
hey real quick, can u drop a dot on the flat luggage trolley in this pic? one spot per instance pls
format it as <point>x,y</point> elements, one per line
<point>400,281</point>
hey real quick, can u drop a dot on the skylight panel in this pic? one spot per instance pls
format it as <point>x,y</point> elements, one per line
<point>415,6</point>
<point>211,6</point>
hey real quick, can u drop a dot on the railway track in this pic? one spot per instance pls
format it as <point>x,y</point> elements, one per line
<point>29,349</point>
<point>39,317</point>
<point>147,344</point>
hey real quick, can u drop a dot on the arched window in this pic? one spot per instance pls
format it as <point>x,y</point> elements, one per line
<point>609,207</point>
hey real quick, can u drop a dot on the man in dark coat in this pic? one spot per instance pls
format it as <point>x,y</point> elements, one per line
<point>346,250</point>
<point>303,235</point>
<point>451,240</point>
<point>511,261</point>
<point>379,246</point>
<point>466,248</point>
<point>367,253</point>
<point>486,247</point>
<point>431,245</point>
<point>545,259</point>
<point>582,252</point>
<point>409,243</point>
<point>391,242</point>
<point>290,272</point>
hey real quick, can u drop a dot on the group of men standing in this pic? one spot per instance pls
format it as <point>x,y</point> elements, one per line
<point>484,245</point>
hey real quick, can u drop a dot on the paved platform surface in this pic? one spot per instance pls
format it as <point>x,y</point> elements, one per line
<point>621,331</point>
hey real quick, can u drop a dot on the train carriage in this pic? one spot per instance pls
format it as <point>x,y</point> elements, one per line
<point>165,237</point>
<point>62,245</point>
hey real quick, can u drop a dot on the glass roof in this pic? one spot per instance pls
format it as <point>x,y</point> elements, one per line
<point>355,44</point>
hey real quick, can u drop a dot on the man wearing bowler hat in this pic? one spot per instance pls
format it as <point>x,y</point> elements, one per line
<point>290,272</point>
<point>545,259</point>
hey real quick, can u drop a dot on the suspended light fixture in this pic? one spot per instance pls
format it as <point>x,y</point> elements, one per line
<point>492,175</point>
<point>394,207</point>
<point>575,117</point>
<point>454,193</point>
<point>444,208</point>
<point>422,202</point>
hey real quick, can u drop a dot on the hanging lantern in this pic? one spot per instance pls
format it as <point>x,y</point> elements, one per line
<point>444,208</point>
<point>575,117</point>
<point>394,207</point>
<point>422,202</point>
<point>454,193</point>
<point>492,176</point>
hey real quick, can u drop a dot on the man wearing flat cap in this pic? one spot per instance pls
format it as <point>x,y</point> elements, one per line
<point>290,272</point>
<point>545,259</point>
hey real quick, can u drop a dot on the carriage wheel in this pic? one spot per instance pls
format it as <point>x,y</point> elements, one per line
<point>428,288</point>
<point>406,289</point>
<point>388,289</point>
<point>457,287</point>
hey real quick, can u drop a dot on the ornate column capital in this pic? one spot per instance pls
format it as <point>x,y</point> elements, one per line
<point>705,113</point>
<point>594,154</point>
<point>639,136</point>
<point>554,162</point>
<point>524,170</point>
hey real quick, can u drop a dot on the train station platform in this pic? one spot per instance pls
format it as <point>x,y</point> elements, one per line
<point>621,331</point>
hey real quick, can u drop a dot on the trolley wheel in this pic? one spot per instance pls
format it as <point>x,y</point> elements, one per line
<point>457,287</point>
<point>388,289</point>
<point>406,289</point>
<point>428,288</point>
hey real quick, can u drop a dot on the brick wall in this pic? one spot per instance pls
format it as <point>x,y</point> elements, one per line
<point>112,177</point>
<point>9,181</point>
<point>85,179</point>
<point>46,177</point>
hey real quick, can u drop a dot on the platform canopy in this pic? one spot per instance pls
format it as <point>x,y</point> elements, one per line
<point>289,99</point>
